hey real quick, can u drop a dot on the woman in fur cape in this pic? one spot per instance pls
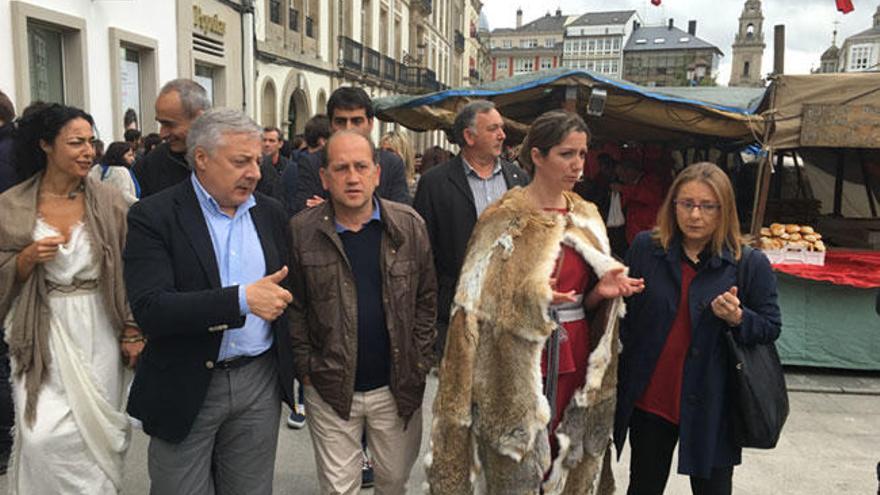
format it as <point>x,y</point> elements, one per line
<point>537,251</point>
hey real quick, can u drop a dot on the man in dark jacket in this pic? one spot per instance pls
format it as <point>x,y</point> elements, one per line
<point>351,108</point>
<point>179,103</point>
<point>452,195</point>
<point>273,164</point>
<point>317,133</point>
<point>205,264</point>
<point>362,321</point>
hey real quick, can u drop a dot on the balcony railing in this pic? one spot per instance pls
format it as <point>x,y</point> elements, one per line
<point>372,62</point>
<point>424,6</point>
<point>389,69</point>
<point>459,41</point>
<point>352,53</point>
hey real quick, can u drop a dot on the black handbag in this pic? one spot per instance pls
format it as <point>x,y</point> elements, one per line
<point>760,397</point>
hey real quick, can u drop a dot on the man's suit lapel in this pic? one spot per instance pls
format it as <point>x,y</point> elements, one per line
<point>194,226</point>
<point>263,224</point>
<point>459,179</point>
<point>511,177</point>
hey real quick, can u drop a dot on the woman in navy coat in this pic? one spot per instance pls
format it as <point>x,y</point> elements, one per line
<point>674,367</point>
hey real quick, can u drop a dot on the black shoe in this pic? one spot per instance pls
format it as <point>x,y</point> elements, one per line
<point>367,480</point>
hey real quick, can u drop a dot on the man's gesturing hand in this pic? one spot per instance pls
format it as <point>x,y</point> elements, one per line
<point>266,298</point>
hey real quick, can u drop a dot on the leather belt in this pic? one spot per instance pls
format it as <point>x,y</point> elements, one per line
<point>77,287</point>
<point>570,311</point>
<point>237,361</point>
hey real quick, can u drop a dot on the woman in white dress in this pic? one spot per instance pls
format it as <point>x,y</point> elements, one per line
<point>69,329</point>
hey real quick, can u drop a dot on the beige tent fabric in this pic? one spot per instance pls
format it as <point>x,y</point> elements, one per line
<point>783,104</point>
<point>628,114</point>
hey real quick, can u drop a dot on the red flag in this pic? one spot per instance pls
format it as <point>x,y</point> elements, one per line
<point>657,2</point>
<point>845,6</point>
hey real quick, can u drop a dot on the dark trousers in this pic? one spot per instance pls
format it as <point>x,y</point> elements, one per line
<point>652,441</point>
<point>7,409</point>
<point>617,238</point>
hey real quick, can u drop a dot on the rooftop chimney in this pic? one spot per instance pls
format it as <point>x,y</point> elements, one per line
<point>692,28</point>
<point>671,23</point>
<point>518,18</point>
<point>636,24</point>
<point>558,12</point>
<point>779,49</point>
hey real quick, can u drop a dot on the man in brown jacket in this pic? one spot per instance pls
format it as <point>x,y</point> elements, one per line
<point>362,321</point>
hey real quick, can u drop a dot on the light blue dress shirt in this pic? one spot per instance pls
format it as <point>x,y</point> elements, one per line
<point>375,216</point>
<point>240,261</point>
<point>486,191</point>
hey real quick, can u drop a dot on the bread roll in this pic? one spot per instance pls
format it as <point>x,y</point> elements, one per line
<point>819,246</point>
<point>794,237</point>
<point>792,228</point>
<point>809,237</point>
<point>765,232</point>
<point>806,229</point>
<point>777,229</point>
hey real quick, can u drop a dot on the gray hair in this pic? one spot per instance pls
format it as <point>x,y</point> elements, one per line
<point>348,132</point>
<point>467,119</point>
<point>193,97</point>
<point>207,130</point>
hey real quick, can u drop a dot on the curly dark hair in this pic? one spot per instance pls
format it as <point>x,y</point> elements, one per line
<point>40,122</point>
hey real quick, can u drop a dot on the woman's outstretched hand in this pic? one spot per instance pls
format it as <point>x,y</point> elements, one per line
<point>614,284</point>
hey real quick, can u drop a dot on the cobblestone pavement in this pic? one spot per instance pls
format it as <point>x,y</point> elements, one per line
<point>831,444</point>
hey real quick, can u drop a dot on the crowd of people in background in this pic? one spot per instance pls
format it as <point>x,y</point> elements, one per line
<point>236,270</point>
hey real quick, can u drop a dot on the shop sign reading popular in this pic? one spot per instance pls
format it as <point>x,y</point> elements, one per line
<point>207,23</point>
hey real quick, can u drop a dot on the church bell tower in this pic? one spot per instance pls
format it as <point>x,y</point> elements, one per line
<point>748,47</point>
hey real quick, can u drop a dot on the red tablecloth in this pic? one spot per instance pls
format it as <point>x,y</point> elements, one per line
<point>859,269</point>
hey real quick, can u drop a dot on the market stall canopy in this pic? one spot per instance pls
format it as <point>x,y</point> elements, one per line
<point>631,112</point>
<point>823,110</point>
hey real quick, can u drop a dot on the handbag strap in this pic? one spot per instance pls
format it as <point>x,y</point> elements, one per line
<point>741,271</point>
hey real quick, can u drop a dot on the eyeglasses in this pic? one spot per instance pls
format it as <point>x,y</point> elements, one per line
<point>687,206</point>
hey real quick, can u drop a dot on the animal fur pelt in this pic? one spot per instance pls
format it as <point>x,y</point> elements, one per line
<point>490,414</point>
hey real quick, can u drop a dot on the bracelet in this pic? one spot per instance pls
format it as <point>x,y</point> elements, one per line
<point>132,340</point>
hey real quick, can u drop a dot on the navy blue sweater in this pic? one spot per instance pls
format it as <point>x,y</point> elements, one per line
<point>363,249</point>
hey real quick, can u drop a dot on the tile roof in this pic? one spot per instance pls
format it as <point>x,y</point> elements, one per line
<point>673,39</point>
<point>604,18</point>
<point>547,24</point>
<point>869,33</point>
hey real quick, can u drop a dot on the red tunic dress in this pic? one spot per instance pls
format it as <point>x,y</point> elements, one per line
<point>574,349</point>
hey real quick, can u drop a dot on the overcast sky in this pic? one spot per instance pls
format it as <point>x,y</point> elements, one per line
<point>808,23</point>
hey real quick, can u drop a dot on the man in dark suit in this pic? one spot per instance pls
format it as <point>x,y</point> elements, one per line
<point>205,264</point>
<point>350,108</point>
<point>452,195</point>
<point>179,103</point>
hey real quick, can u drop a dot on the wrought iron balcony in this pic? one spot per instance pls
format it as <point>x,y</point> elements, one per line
<point>352,54</point>
<point>372,62</point>
<point>401,74</point>
<point>389,69</point>
<point>424,6</point>
<point>459,41</point>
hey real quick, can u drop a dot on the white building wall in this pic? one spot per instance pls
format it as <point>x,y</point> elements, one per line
<point>151,19</point>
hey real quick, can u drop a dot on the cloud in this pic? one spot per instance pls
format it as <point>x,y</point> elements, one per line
<point>808,23</point>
